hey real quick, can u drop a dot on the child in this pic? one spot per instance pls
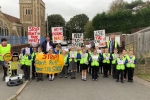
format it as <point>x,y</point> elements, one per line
<point>89,57</point>
<point>106,62</point>
<point>121,61</point>
<point>51,76</point>
<point>73,62</point>
<point>39,75</point>
<point>125,56</point>
<point>21,61</point>
<point>84,63</point>
<point>78,61</point>
<point>34,74</point>
<point>95,59</point>
<point>66,60</point>
<point>57,50</point>
<point>27,63</point>
<point>114,57</point>
<point>130,66</point>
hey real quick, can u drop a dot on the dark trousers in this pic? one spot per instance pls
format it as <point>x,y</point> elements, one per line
<point>109,69</point>
<point>39,76</point>
<point>78,65</point>
<point>34,74</point>
<point>130,73</point>
<point>101,68</point>
<point>64,71</point>
<point>125,72</point>
<point>105,68</point>
<point>26,70</point>
<point>114,73</point>
<point>120,73</point>
<point>94,72</point>
<point>5,71</point>
<point>14,72</point>
<point>90,68</point>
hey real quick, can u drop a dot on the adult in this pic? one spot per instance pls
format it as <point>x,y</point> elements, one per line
<point>112,44</point>
<point>47,44</point>
<point>4,48</point>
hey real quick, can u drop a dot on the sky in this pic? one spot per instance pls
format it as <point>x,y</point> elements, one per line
<point>66,8</point>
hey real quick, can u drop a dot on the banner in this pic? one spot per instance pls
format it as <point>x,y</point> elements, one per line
<point>49,63</point>
<point>33,34</point>
<point>100,39</point>
<point>57,34</point>
<point>77,39</point>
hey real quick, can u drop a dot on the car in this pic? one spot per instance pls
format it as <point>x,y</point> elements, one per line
<point>64,43</point>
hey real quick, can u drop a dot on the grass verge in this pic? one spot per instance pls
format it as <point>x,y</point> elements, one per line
<point>144,76</point>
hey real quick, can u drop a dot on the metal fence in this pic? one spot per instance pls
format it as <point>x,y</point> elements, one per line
<point>19,40</point>
<point>139,42</point>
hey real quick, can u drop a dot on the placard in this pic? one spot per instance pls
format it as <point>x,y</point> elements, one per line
<point>49,63</point>
<point>33,34</point>
<point>77,39</point>
<point>100,39</point>
<point>7,57</point>
<point>57,34</point>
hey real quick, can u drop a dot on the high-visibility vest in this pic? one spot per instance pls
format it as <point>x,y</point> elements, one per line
<point>27,61</point>
<point>115,56</point>
<point>22,61</point>
<point>130,64</point>
<point>75,56</point>
<point>108,44</point>
<point>120,66</point>
<point>84,59</point>
<point>4,50</point>
<point>65,59</point>
<point>94,62</point>
<point>106,60</point>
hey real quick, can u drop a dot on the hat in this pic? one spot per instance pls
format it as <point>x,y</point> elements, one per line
<point>15,54</point>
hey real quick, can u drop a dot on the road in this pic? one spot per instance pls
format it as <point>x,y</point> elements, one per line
<point>68,89</point>
<point>5,91</point>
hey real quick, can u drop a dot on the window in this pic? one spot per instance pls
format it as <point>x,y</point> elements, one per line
<point>25,33</point>
<point>26,11</point>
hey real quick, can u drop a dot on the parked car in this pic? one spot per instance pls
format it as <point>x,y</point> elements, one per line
<point>64,43</point>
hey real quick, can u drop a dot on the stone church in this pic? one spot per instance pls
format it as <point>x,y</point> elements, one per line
<point>32,13</point>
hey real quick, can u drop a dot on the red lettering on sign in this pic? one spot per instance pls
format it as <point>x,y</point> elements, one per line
<point>34,40</point>
<point>57,33</point>
<point>33,29</point>
<point>33,36</point>
<point>98,37</point>
<point>50,56</point>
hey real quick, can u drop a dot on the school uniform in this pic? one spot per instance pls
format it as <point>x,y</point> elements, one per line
<point>95,59</point>
<point>113,63</point>
<point>64,70</point>
<point>125,71</point>
<point>34,74</point>
<point>89,65</point>
<point>73,63</point>
<point>106,63</point>
<point>39,75</point>
<point>27,64</point>
<point>84,61</point>
<point>120,68</point>
<point>130,67</point>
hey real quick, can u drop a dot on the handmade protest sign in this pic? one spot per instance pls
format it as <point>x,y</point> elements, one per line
<point>49,63</point>
<point>57,34</point>
<point>33,34</point>
<point>99,37</point>
<point>77,39</point>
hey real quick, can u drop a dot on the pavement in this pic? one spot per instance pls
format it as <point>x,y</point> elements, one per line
<point>6,91</point>
<point>68,89</point>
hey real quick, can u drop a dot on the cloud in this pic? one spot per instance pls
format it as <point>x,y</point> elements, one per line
<point>67,8</point>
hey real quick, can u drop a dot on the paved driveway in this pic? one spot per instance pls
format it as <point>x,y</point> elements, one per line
<point>67,89</point>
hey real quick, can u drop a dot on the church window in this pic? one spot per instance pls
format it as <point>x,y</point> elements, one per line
<point>26,11</point>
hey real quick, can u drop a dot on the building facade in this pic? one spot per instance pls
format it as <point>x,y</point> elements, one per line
<point>32,13</point>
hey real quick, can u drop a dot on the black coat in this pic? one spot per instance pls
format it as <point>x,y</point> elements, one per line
<point>44,46</point>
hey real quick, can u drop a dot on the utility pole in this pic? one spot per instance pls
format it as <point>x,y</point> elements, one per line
<point>47,25</point>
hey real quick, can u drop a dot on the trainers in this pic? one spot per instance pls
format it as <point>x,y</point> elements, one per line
<point>96,79</point>
<point>65,76</point>
<point>93,80</point>
<point>85,79</point>
<point>60,76</point>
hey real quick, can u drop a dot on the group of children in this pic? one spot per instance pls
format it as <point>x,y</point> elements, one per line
<point>84,60</point>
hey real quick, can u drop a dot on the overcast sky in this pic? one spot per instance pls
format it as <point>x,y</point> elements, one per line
<point>67,8</point>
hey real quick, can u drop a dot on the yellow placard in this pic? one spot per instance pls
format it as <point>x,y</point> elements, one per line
<point>7,57</point>
<point>49,63</point>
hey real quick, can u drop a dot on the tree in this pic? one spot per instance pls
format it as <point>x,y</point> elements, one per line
<point>55,20</point>
<point>77,23</point>
<point>89,30</point>
<point>133,4</point>
<point>117,5</point>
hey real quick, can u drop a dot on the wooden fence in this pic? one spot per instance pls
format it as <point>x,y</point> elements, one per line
<point>139,42</point>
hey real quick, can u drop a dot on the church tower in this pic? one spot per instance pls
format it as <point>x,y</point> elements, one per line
<point>32,13</point>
